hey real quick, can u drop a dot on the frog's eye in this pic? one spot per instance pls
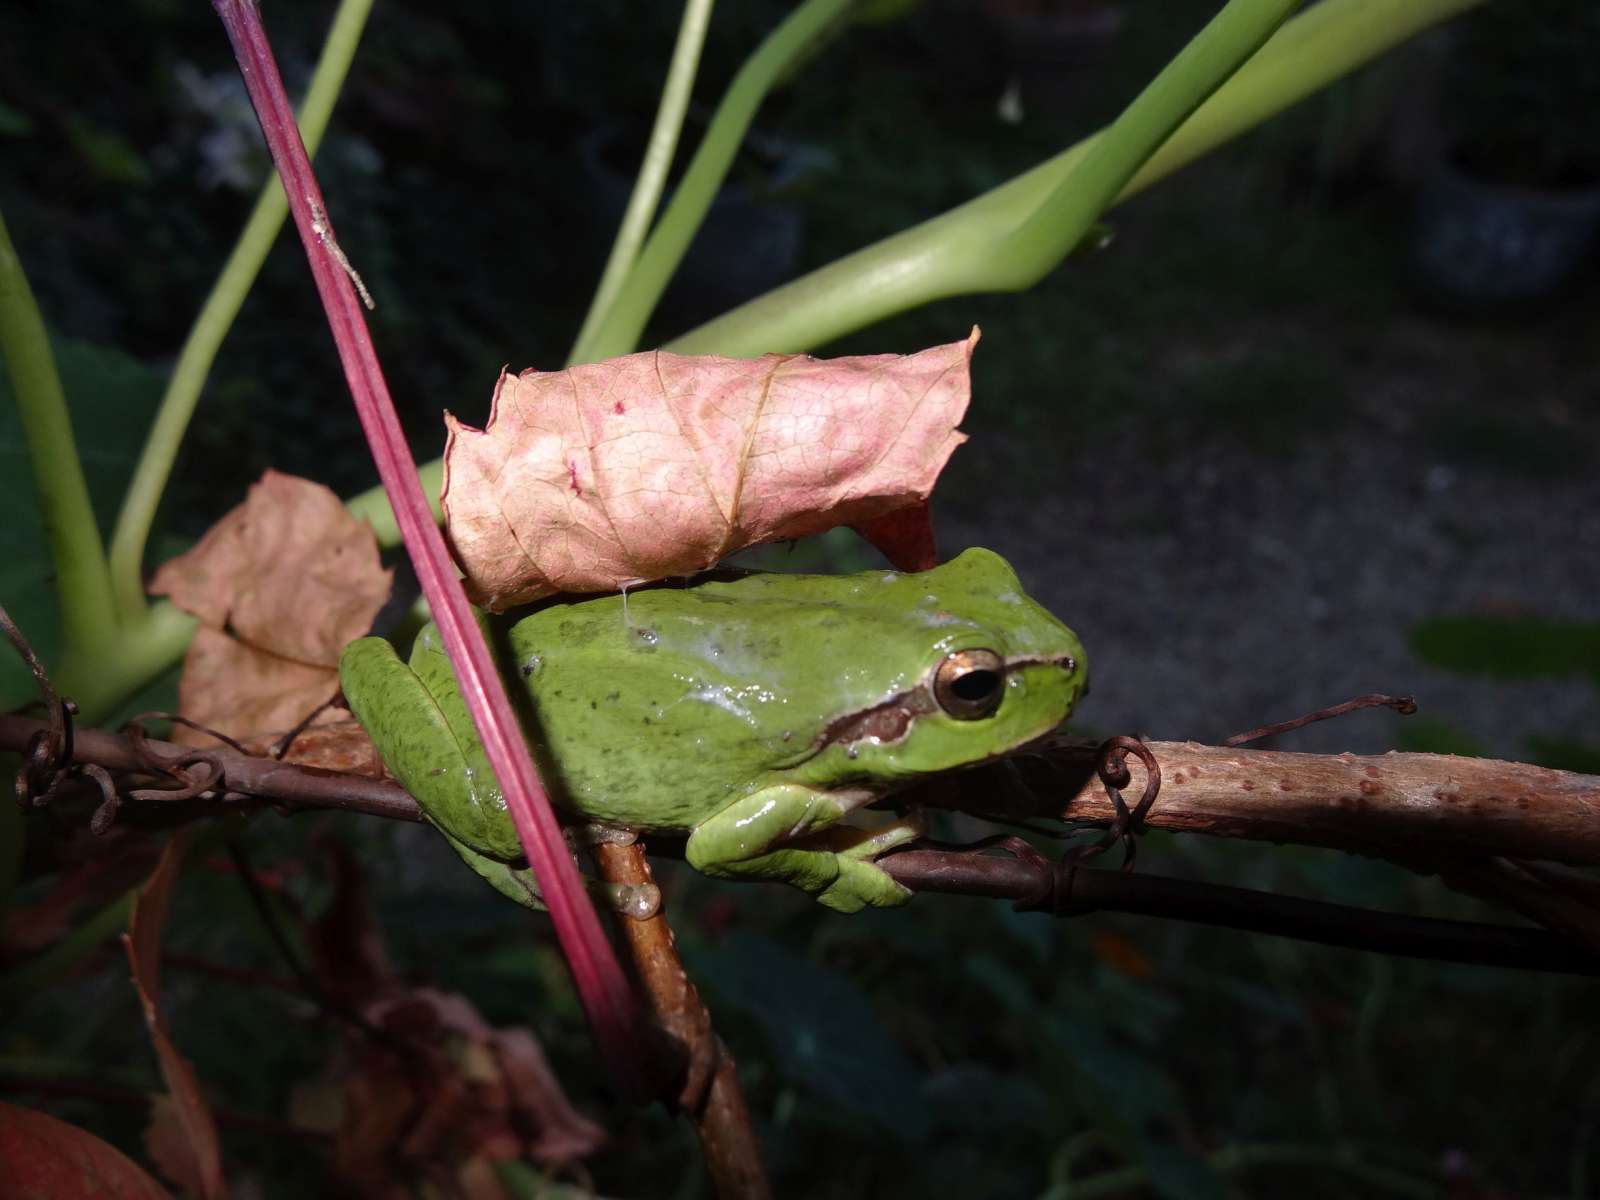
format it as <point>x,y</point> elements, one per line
<point>970,683</point>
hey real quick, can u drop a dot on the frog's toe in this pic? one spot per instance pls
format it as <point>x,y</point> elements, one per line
<point>861,884</point>
<point>890,837</point>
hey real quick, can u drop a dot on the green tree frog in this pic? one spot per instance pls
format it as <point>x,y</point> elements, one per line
<point>751,715</point>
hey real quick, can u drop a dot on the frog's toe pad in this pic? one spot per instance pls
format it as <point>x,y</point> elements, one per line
<point>888,837</point>
<point>860,884</point>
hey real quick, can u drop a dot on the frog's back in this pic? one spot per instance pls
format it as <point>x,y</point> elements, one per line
<point>663,710</point>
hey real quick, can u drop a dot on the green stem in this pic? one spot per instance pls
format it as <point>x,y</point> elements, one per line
<point>1020,258</point>
<point>784,47</point>
<point>652,178</point>
<point>372,505</point>
<point>82,582</point>
<point>909,268</point>
<point>199,351</point>
<point>937,258</point>
<point>147,645</point>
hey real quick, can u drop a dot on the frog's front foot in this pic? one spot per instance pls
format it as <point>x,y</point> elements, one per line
<point>790,833</point>
<point>868,844</point>
<point>861,882</point>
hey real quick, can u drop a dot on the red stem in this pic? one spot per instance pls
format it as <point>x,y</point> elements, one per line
<point>603,989</point>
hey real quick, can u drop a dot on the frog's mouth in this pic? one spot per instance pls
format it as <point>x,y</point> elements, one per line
<point>967,685</point>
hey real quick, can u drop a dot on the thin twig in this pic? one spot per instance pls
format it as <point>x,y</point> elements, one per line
<point>1065,889</point>
<point>1388,805</point>
<point>1404,705</point>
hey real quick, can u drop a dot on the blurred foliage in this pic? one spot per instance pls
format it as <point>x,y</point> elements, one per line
<point>956,1047</point>
<point>1510,647</point>
<point>1517,648</point>
<point>1428,735</point>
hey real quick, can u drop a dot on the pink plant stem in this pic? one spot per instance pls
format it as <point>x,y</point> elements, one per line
<point>608,1000</point>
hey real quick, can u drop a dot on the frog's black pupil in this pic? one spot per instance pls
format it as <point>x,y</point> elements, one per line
<point>975,686</point>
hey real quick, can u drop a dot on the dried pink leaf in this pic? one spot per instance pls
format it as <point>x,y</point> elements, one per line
<point>657,464</point>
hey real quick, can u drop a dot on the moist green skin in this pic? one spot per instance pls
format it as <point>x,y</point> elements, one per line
<point>750,714</point>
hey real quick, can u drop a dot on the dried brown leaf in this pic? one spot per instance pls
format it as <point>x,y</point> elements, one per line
<point>656,464</point>
<point>280,585</point>
<point>181,1139</point>
<point>379,1104</point>
<point>290,571</point>
<point>233,687</point>
<point>464,1090</point>
<point>339,745</point>
<point>168,1140</point>
<point>904,536</point>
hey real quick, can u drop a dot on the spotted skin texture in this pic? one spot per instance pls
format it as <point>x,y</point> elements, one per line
<point>752,714</point>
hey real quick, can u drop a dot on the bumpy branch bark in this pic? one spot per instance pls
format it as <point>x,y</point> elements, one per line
<point>1399,806</point>
<point>1412,807</point>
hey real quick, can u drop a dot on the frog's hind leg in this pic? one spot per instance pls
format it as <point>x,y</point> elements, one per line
<point>766,835</point>
<point>423,750</point>
<point>638,900</point>
<point>511,882</point>
<point>431,746</point>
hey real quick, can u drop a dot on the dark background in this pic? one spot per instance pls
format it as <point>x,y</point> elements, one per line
<point>1254,451</point>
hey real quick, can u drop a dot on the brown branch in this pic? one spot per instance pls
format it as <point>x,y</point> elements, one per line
<point>1570,906</point>
<point>1400,806</point>
<point>1473,821</point>
<point>1421,807</point>
<point>710,1093</point>
<point>247,779</point>
<point>1067,890</point>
